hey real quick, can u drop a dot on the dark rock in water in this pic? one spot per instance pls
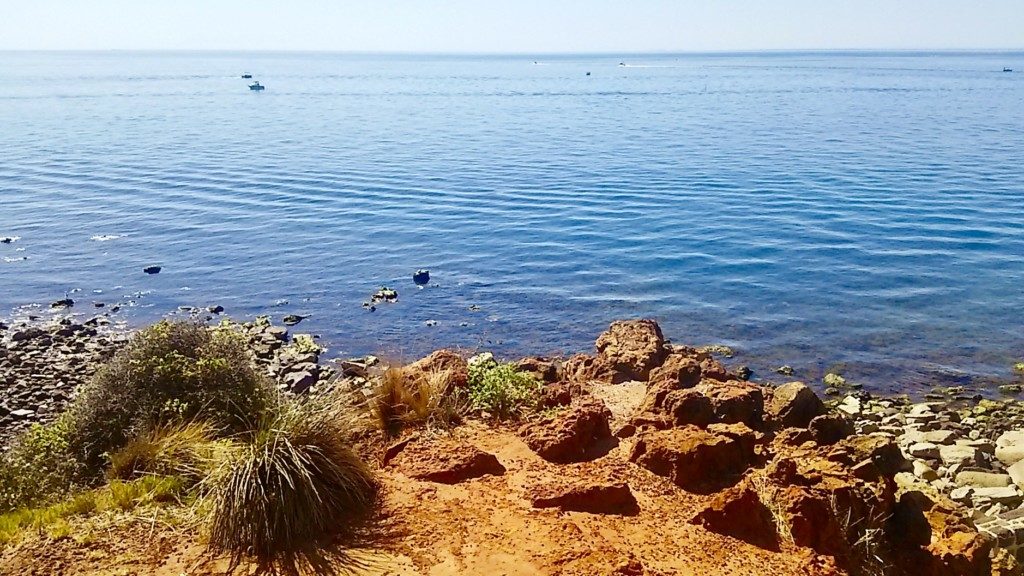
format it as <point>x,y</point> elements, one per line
<point>421,277</point>
<point>152,269</point>
<point>293,319</point>
<point>744,372</point>
<point>7,240</point>
<point>431,322</point>
<point>385,294</point>
<point>65,303</point>
<point>785,370</point>
<point>27,334</point>
<point>115,308</point>
<point>98,304</point>
<point>215,309</point>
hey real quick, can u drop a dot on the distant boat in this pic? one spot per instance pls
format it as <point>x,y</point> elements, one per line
<point>257,86</point>
<point>1007,69</point>
<point>246,76</point>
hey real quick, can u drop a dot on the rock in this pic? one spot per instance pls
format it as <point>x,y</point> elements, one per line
<point>830,428</point>
<point>300,382</point>
<point>572,436</point>
<point>152,269</point>
<point>834,380</point>
<point>384,294</point>
<point>421,277</point>
<point>924,471</point>
<point>977,479</point>
<point>955,454</point>
<point>879,449</point>
<point>1016,472</point>
<point>924,450</point>
<point>1008,495</point>
<point>1010,447</point>
<point>793,405</point>
<point>585,369</point>
<point>23,413</point>
<point>445,461</point>
<point>692,458</point>
<point>850,405</point>
<point>543,369</point>
<point>215,309</point>
<point>445,362</point>
<point>632,348</point>
<point>738,512</point>
<point>689,407</point>
<point>744,372</point>
<point>785,370</point>
<point>63,303</point>
<point>292,319</point>
<point>735,401</point>
<point>555,395</point>
<point>680,370</point>
<point>585,494</point>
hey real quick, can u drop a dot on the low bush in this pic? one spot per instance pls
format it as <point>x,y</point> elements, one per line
<point>282,501</point>
<point>171,372</point>
<point>401,400</point>
<point>38,467</point>
<point>501,389</point>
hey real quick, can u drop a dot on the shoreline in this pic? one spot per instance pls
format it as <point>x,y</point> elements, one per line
<point>969,451</point>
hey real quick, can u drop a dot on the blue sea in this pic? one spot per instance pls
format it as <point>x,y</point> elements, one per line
<point>860,212</point>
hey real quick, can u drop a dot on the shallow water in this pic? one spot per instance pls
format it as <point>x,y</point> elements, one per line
<point>862,210</point>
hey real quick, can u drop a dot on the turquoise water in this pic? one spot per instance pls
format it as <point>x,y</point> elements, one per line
<point>808,209</point>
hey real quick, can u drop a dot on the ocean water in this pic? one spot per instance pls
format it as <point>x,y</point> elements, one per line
<point>855,210</point>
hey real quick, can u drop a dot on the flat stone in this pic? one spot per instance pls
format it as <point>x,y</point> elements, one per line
<point>924,471</point>
<point>1016,472</point>
<point>1011,454</point>
<point>951,455</point>
<point>23,413</point>
<point>983,479</point>
<point>1007,495</point>
<point>962,494</point>
<point>924,450</point>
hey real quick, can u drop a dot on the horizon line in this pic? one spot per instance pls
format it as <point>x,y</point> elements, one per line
<point>526,53</point>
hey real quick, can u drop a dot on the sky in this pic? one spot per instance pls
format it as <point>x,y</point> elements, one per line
<point>522,26</point>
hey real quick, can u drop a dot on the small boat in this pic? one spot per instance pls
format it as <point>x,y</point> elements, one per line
<point>1007,69</point>
<point>257,86</point>
<point>246,76</point>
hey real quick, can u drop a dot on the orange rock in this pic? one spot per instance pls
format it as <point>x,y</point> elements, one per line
<point>694,459</point>
<point>445,461</point>
<point>575,435</point>
<point>632,348</point>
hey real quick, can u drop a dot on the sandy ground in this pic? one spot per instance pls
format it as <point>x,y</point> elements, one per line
<point>483,526</point>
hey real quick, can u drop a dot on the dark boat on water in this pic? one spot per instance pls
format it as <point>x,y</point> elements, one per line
<point>1007,69</point>
<point>257,86</point>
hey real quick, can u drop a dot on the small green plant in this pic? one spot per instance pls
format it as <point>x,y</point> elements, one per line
<point>38,466</point>
<point>500,389</point>
<point>284,498</point>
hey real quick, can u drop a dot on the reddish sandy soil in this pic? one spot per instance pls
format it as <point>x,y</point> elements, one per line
<point>484,525</point>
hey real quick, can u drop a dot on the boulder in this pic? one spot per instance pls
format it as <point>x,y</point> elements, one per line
<point>572,436</point>
<point>632,348</point>
<point>830,428</point>
<point>445,461</point>
<point>585,493</point>
<point>543,369</point>
<point>438,362</point>
<point>584,369</point>
<point>694,459</point>
<point>1010,447</point>
<point>735,401</point>
<point>793,405</point>
<point>681,371</point>
<point>879,449</point>
<point>738,512</point>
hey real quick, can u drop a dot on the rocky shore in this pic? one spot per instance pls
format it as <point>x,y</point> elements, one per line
<point>936,487</point>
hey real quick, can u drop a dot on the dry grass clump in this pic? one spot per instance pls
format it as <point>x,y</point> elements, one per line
<point>403,400</point>
<point>284,499</point>
<point>189,451</point>
<point>768,495</point>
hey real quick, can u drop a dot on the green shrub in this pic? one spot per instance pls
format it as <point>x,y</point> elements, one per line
<point>285,497</point>
<point>500,389</point>
<point>171,372</point>
<point>38,466</point>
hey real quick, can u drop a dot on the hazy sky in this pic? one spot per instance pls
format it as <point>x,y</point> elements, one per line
<point>510,26</point>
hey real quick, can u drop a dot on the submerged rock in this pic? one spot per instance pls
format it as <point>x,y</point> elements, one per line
<point>421,277</point>
<point>63,303</point>
<point>152,269</point>
<point>292,319</point>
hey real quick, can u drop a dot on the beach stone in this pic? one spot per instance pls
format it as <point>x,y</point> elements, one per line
<point>850,405</point>
<point>925,472</point>
<point>965,455</point>
<point>979,479</point>
<point>1010,447</point>
<point>793,405</point>
<point>962,495</point>
<point>1016,472</point>
<point>830,428</point>
<point>924,450</point>
<point>1006,495</point>
<point>735,401</point>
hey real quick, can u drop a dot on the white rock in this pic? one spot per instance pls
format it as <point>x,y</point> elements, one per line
<point>951,455</point>
<point>983,479</point>
<point>925,472</point>
<point>1008,495</point>
<point>1016,473</point>
<point>924,450</point>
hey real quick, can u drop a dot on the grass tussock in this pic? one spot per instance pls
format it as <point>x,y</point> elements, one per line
<point>403,400</point>
<point>189,451</point>
<point>285,498</point>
